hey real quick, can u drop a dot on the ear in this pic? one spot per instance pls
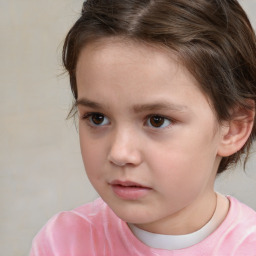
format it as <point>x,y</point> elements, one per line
<point>236,132</point>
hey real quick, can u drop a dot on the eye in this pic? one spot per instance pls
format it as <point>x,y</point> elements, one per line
<point>157,121</point>
<point>97,119</point>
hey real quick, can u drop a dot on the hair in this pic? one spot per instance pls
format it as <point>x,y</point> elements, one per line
<point>212,38</point>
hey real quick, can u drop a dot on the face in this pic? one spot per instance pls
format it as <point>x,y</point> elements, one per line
<point>149,138</point>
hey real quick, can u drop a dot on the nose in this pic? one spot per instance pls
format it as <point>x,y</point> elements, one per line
<point>125,149</point>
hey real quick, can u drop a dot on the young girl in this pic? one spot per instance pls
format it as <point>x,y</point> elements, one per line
<point>165,92</point>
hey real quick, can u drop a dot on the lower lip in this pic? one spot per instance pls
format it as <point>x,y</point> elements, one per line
<point>129,192</point>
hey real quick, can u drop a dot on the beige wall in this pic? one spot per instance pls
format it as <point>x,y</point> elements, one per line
<point>41,168</point>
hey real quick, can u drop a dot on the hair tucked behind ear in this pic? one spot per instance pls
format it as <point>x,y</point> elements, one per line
<point>213,38</point>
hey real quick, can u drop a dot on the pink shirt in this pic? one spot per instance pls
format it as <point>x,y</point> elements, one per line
<point>93,229</point>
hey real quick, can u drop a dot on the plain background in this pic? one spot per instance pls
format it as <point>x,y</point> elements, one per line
<point>41,167</point>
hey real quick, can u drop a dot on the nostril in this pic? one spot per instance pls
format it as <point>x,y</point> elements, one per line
<point>117,163</point>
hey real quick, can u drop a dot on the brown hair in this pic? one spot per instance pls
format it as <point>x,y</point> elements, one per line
<point>213,38</point>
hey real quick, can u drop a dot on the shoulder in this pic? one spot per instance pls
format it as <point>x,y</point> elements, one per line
<point>236,235</point>
<point>241,213</point>
<point>72,230</point>
<point>239,229</point>
<point>85,216</point>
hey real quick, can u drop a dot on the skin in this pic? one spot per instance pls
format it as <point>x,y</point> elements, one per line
<point>128,82</point>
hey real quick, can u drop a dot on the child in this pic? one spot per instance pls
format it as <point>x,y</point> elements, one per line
<point>165,94</point>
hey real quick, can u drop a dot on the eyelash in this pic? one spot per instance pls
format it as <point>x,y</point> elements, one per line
<point>89,115</point>
<point>171,121</point>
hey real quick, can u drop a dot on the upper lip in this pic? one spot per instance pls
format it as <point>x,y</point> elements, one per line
<point>127,183</point>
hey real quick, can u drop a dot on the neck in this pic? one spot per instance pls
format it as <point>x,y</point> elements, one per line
<point>187,220</point>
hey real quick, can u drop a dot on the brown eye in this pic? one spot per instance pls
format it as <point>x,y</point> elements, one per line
<point>98,119</point>
<point>158,122</point>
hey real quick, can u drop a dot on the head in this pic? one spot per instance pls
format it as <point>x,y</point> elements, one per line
<point>165,92</point>
<point>212,39</point>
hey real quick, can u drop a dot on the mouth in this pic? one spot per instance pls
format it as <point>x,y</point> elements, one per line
<point>129,190</point>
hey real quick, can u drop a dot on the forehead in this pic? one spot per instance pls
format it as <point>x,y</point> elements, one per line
<point>133,68</point>
<point>111,54</point>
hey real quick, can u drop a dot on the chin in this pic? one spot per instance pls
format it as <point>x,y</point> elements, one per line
<point>132,214</point>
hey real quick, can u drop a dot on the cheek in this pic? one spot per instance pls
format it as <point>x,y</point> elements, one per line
<point>183,166</point>
<point>91,153</point>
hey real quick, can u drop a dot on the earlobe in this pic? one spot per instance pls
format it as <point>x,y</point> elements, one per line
<point>236,132</point>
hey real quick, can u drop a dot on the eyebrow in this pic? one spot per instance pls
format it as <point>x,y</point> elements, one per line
<point>88,103</point>
<point>159,106</point>
<point>162,105</point>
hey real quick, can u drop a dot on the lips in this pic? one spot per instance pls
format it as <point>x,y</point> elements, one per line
<point>129,190</point>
